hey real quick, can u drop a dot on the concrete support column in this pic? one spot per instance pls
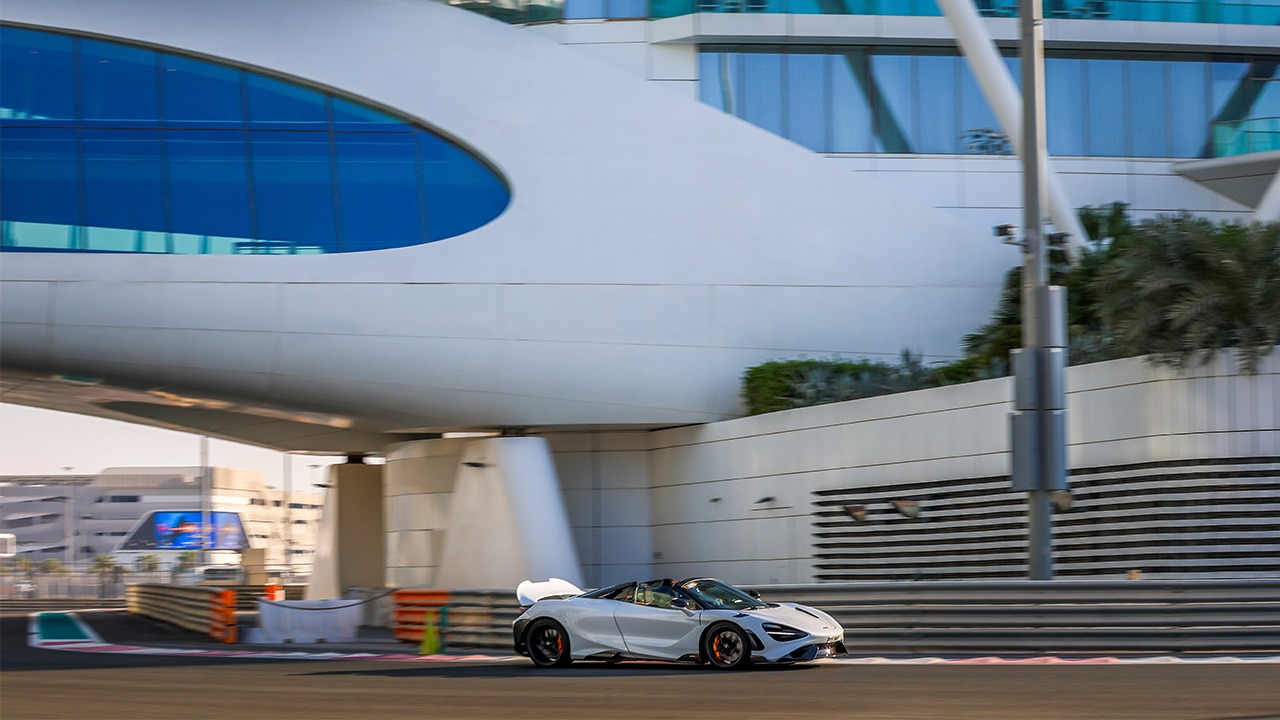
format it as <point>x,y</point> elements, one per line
<point>418,494</point>
<point>351,544</point>
<point>476,513</point>
<point>508,521</point>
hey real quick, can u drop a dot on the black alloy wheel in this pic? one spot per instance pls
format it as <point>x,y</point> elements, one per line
<point>726,647</point>
<point>548,644</point>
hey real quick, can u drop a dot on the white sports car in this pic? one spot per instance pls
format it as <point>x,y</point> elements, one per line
<point>700,620</point>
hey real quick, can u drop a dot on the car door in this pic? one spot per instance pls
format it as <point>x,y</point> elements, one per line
<point>652,628</point>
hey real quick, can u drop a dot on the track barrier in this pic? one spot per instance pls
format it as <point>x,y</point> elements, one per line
<point>1227,616</point>
<point>207,610</point>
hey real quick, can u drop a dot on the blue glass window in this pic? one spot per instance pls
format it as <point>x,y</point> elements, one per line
<point>118,84</point>
<point>209,184</point>
<point>458,189</point>
<point>293,188</point>
<point>1189,125</point>
<point>1064,99</point>
<point>122,177</point>
<point>277,105</point>
<point>895,102</point>
<point>1149,108</point>
<point>40,174</point>
<point>980,132</point>
<point>939,79</point>
<point>850,102</point>
<point>1106,107</point>
<point>201,94</point>
<point>112,148</point>
<point>379,188</point>
<point>762,90</point>
<point>36,69</point>
<point>807,93</point>
<point>925,100</point>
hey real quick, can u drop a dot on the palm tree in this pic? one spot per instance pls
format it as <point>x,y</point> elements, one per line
<point>147,563</point>
<point>51,566</point>
<point>1181,288</point>
<point>22,565</point>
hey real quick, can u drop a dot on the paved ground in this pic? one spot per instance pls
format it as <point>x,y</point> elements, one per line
<point>49,684</point>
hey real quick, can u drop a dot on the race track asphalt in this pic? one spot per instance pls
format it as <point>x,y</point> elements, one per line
<point>38,683</point>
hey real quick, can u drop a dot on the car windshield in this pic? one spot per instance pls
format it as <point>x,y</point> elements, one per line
<point>717,595</point>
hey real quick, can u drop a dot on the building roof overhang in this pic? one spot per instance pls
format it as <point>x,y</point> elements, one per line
<point>1243,178</point>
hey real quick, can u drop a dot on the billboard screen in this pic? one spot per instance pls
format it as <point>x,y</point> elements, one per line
<point>181,530</point>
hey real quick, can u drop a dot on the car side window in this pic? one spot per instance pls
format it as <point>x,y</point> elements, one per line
<point>656,594</point>
<point>627,593</point>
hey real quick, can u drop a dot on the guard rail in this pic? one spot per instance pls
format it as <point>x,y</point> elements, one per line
<point>207,610</point>
<point>960,617</point>
<point>1048,617</point>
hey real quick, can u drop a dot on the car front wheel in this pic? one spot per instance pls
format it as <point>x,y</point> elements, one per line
<point>548,644</point>
<point>726,647</point>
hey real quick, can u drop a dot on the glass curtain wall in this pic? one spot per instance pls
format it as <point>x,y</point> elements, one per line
<point>110,148</point>
<point>926,100</point>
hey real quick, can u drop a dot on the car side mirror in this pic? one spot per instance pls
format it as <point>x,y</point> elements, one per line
<point>682,605</point>
<point>754,594</point>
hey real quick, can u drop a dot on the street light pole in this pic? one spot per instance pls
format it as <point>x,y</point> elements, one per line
<point>1038,425</point>
<point>206,499</point>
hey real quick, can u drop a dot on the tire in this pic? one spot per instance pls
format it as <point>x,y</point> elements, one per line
<point>726,647</point>
<point>548,644</point>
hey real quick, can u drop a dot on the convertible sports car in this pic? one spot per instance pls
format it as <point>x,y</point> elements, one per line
<point>699,620</point>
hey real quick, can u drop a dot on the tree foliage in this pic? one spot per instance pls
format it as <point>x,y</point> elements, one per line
<point>1181,288</point>
<point>1173,288</point>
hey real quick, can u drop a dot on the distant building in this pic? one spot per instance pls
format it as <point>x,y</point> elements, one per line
<point>130,512</point>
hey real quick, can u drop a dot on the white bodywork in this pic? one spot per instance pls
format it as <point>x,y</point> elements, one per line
<point>611,629</point>
<point>529,592</point>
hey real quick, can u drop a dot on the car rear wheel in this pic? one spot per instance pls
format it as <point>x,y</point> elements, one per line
<point>726,647</point>
<point>548,644</point>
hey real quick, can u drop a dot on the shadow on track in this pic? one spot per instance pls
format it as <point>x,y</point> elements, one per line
<point>581,670</point>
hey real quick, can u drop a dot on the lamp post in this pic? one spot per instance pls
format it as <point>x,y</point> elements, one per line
<point>206,499</point>
<point>288,514</point>
<point>68,519</point>
<point>1038,425</point>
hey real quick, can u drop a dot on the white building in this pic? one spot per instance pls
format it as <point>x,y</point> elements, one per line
<point>401,219</point>
<point>128,513</point>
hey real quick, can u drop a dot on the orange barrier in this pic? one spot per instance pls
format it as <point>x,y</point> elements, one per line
<point>273,591</point>
<point>222,617</point>
<point>416,608</point>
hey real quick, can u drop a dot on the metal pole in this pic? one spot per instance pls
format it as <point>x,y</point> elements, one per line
<point>1034,281</point>
<point>288,515</point>
<point>206,499</point>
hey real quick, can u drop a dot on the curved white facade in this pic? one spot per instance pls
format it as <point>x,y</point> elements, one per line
<point>652,250</point>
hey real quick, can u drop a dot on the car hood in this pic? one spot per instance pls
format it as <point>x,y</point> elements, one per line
<point>800,617</point>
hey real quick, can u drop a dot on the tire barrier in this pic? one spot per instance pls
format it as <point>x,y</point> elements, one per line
<point>207,610</point>
<point>462,619</point>
<point>415,609</point>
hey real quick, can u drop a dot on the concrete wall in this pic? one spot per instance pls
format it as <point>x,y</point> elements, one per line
<point>709,482</point>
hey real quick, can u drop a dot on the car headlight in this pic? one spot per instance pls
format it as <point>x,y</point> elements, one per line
<point>782,633</point>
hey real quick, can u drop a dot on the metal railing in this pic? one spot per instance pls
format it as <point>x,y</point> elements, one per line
<point>1049,617</point>
<point>1239,137</point>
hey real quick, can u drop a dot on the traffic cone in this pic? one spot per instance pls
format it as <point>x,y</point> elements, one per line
<point>430,633</point>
